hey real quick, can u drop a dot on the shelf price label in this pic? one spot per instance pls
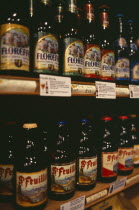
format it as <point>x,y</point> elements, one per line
<point>77,204</point>
<point>117,185</point>
<point>134,91</point>
<point>83,89</point>
<point>55,86</point>
<point>105,90</point>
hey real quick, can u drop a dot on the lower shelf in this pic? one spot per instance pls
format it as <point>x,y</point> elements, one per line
<point>92,197</point>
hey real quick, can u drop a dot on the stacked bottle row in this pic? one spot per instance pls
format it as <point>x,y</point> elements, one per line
<point>29,171</point>
<point>69,39</point>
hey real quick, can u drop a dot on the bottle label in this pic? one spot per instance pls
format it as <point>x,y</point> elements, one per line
<point>6,177</point>
<point>135,71</point>
<point>87,170</point>
<point>109,164</point>
<point>31,188</point>
<point>14,47</point>
<point>74,57</point>
<point>89,12</point>
<point>125,158</point>
<point>122,71</point>
<point>121,42</point>
<point>136,154</point>
<point>104,17</point>
<point>46,55</point>
<point>92,61</point>
<point>107,65</point>
<point>63,178</point>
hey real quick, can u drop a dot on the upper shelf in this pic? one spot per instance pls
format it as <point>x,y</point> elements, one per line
<point>14,85</point>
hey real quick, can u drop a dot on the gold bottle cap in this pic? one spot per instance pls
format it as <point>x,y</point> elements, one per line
<point>132,115</point>
<point>30,125</point>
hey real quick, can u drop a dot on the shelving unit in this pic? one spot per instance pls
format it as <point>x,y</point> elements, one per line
<point>11,85</point>
<point>92,197</point>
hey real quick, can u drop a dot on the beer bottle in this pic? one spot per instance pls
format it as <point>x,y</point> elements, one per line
<point>107,72</point>
<point>14,40</point>
<point>122,63</point>
<point>8,132</point>
<point>86,159</point>
<point>73,50</point>
<point>125,147</point>
<point>31,169</point>
<point>63,165</point>
<point>92,57</point>
<point>59,11</point>
<point>134,138</point>
<point>45,51</point>
<point>108,157</point>
<point>133,53</point>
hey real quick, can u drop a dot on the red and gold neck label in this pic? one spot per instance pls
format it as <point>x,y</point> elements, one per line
<point>109,164</point>
<point>125,158</point>
<point>6,177</point>
<point>104,18</point>
<point>87,170</point>
<point>89,12</point>
<point>14,47</point>
<point>31,188</point>
<point>63,178</point>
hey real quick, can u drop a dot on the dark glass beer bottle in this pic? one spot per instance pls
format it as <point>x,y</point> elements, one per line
<point>107,72</point>
<point>92,54</point>
<point>31,169</point>
<point>125,147</point>
<point>108,152</point>
<point>134,138</point>
<point>63,165</point>
<point>73,50</point>
<point>46,46</point>
<point>133,52</point>
<point>8,132</point>
<point>122,63</point>
<point>86,159</point>
<point>15,40</point>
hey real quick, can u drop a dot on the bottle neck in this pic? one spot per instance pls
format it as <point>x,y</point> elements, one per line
<point>104,21</point>
<point>89,16</point>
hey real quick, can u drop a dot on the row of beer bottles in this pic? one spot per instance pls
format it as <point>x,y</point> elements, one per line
<point>57,46</point>
<point>27,170</point>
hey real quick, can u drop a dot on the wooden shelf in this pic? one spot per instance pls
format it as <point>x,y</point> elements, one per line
<point>14,85</point>
<point>91,196</point>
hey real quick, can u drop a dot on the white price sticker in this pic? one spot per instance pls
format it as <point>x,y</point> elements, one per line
<point>77,204</point>
<point>117,185</point>
<point>106,90</point>
<point>55,86</point>
<point>134,91</point>
<point>83,89</point>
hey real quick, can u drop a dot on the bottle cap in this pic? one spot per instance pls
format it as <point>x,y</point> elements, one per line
<point>119,15</point>
<point>62,122</point>
<point>107,118</point>
<point>84,120</point>
<point>132,115</point>
<point>104,6</point>
<point>30,125</point>
<point>123,117</point>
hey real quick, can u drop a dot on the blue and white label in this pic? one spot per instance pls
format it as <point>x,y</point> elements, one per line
<point>122,69</point>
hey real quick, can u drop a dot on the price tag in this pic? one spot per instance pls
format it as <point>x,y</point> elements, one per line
<point>55,86</point>
<point>117,185</point>
<point>134,91</point>
<point>83,89</point>
<point>77,204</point>
<point>96,196</point>
<point>132,179</point>
<point>106,90</point>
